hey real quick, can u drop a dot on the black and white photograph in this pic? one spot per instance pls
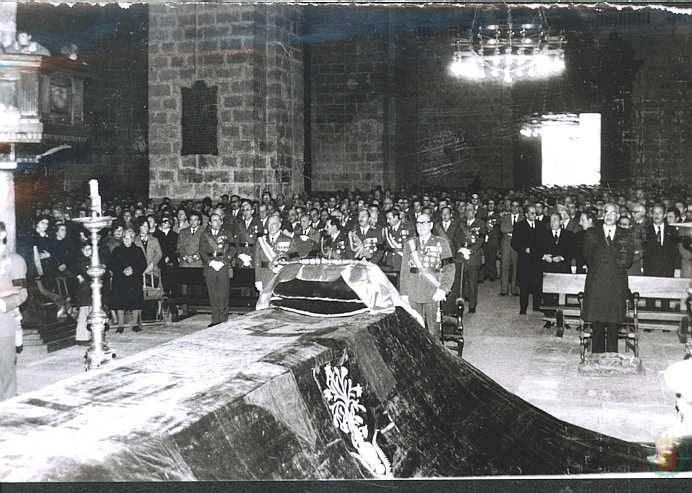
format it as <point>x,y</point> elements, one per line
<point>270,242</point>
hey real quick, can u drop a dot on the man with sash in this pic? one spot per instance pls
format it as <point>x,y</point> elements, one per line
<point>217,254</point>
<point>271,247</point>
<point>395,235</point>
<point>427,273</point>
<point>365,241</point>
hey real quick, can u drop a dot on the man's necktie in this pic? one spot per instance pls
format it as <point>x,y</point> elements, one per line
<point>555,235</point>
<point>609,238</point>
<point>660,235</point>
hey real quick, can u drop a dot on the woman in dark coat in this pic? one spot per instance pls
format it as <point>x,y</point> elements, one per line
<point>606,286</point>
<point>127,264</point>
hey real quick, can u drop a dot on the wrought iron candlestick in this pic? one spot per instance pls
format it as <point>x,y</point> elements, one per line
<point>98,352</point>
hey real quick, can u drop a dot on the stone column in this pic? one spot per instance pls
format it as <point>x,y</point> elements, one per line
<point>8,18</point>
<point>7,214</point>
<point>8,27</point>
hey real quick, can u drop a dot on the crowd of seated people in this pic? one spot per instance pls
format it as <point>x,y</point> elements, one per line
<point>508,235</point>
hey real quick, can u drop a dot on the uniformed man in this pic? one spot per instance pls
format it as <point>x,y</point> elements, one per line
<point>217,254</point>
<point>395,234</point>
<point>470,235</point>
<point>365,241</point>
<point>334,242</point>
<point>269,249</point>
<point>492,242</point>
<point>247,229</point>
<point>427,273</point>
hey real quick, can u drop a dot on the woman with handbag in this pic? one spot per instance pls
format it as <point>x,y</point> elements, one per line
<point>128,263</point>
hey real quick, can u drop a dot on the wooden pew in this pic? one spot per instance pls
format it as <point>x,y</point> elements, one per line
<point>243,281</point>
<point>641,287</point>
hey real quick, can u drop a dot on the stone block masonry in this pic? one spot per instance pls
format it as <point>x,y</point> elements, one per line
<point>252,54</point>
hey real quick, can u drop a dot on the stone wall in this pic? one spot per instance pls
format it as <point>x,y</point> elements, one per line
<point>660,144</point>
<point>451,130</point>
<point>251,54</point>
<point>347,93</point>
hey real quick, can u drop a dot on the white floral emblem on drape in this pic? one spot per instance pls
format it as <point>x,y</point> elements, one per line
<point>343,400</point>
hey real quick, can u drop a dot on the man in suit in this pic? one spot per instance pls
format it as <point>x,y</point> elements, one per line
<point>469,240</point>
<point>608,252</point>
<point>661,250</point>
<point>556,247</point>
<point>188,243</point>
<point>234,213</point>
<point>510,259</point>
<point>556,252</point>
<point>270,248</point>
<point>526,241</point>
<point>541,218</point>
<point>427,273</point>
<point>217,254</point>
<point>306,238</point>
<point>492,242</point>
<point>446,226</point>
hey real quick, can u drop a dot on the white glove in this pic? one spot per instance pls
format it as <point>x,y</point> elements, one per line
<point>258,285</point>
<point>465,252</point>
<point>216,265</point>
<point>439,295</point>
<point>245,259</point>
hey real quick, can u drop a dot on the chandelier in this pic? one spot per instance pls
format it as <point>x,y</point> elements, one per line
<point>533,125</point>
<point>509,49</point>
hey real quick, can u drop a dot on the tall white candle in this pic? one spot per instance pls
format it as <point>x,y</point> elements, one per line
<point>93,188</point>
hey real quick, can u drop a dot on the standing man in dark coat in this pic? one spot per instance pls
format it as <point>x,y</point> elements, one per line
<point>510,260</point>
<point>556,251</point>
<point>526,242</point>
<point>468,240</point>
<point>217,254</point>
<point>492,242</point>
<point>608,252</point>
<point>661,251</point>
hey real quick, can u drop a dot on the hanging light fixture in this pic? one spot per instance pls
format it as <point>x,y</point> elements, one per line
<point>520,48</point>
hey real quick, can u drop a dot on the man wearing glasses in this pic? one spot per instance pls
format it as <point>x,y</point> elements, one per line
<point>608,252</point>
<point>427,273</point>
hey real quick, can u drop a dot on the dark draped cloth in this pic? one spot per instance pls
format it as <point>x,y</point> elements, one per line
<point>127,291</point>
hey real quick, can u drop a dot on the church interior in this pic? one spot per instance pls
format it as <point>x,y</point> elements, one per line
<point>204,106</point>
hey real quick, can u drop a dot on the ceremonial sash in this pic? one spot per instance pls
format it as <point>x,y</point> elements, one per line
<point>267,249</point>
<point>393,244</point>
<point>419,264</point>
<point>358,249</point>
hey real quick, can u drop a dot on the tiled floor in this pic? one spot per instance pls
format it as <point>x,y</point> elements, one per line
<point>513,349</point>
<point>531,362</point>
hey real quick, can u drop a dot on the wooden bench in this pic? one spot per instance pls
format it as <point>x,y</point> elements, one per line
<point>197,297</point>
<point>641,288</point>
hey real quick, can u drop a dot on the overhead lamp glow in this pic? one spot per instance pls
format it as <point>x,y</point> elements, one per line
<point>495,51</point>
